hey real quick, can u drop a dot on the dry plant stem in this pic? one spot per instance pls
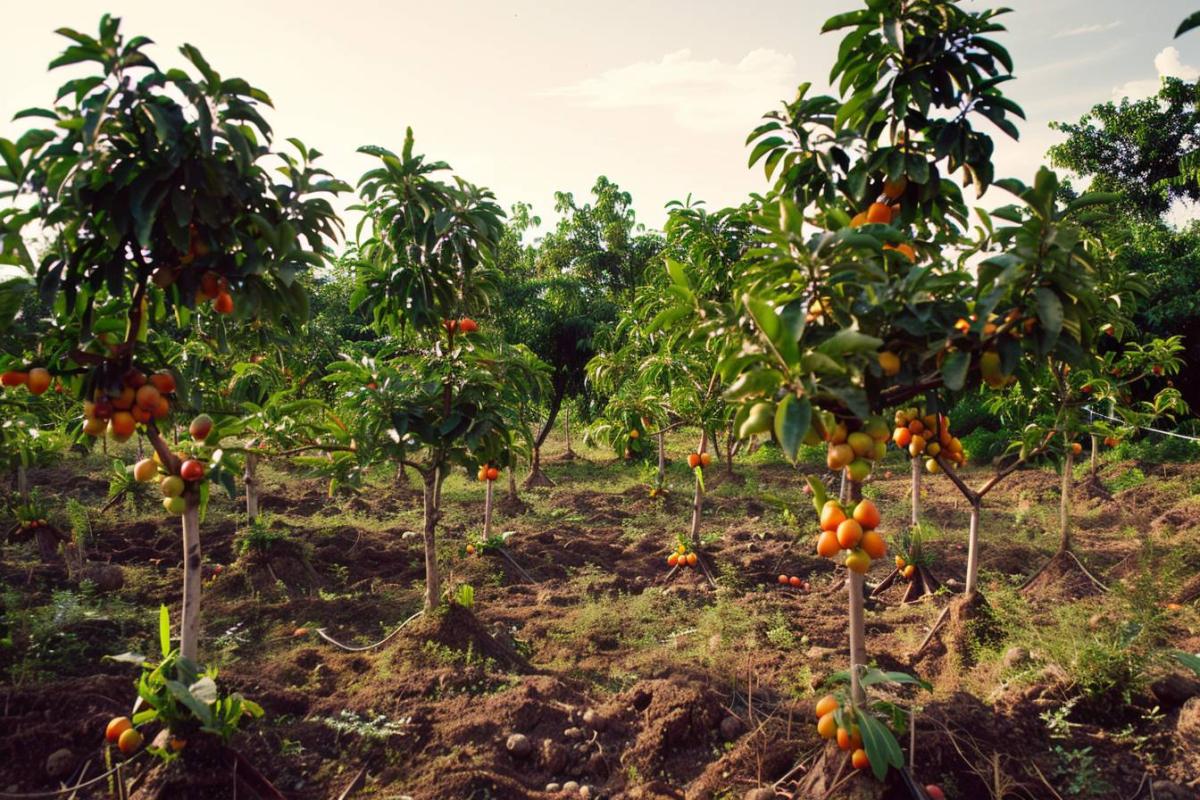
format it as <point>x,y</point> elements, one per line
<point>698,497</point>
<point>189,625</point>
<point>857,629</point>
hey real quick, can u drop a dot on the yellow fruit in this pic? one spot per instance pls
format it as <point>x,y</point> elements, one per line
<point>932,466</point>
<point>858,470</point>
<point>858,561</point>
<point>827,726</point>
<point>839,457</point>
<point>145,470</point>
<point>826,705</point>
<point>129,741</point>
<point>889,362</point>
<point>860,443</point>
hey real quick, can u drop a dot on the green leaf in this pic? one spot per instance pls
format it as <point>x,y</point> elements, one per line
<point>12,159</point>
<point>678,274</point>
<point>848,341</point>
<point>820,495</point>
<point>792,418</point>
<point>201,711</point>
<point>881,746</point>
<point>1050,314</point>
<point>1190,661</point>
<point>164,630</point>
<point>1191,22</point>
<point>954,370</point>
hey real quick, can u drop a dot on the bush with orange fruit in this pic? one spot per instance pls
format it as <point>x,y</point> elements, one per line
<point>682,556</point>
<point>856,450</point>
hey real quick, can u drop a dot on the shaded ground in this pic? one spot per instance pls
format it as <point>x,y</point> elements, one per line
<point>618,680</point>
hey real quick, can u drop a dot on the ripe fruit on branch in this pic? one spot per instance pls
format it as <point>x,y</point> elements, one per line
<point>493,473</point>
<point>832,515</point>
<point>163,381</point>
<point>201,427</point>
<point>859,759</point>
<point>13,378</point>
<point>634,434</point>
<point>879,213</point>
<point>147,397</point>
<point>191,470</point>
<point>145,470</point>
<point>468,325</point>
<point>172,486</point>
<point>122,425</point>
<point>873,545</point>
<point>129,742</point>
<point>693,460</point>
<point>1076,448</point>
<point>827,544</point>
<point>116,726</point>
<point>849,739</point>
<point>826,705</point>
<point>849,534</point>
<point>889,362</point>
<point>858,561</point>
<point>866,513</point>
<point>94,426</point>
<point>893,189</point>
<point>827,726</point>
<point>223,304</point>
<point>38,380</point>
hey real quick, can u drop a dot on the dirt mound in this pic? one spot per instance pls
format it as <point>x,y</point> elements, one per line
<point>1062,578</point>
<point>456,628</point>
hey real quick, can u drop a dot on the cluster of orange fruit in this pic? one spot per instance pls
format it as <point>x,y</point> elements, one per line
<point>855,534</point>
<point>906,570</point>
<point>929,436</point>
<point>682,558</point>
<point>137,400</point>
<point>795,582</point>
<point>215,287</point>
<point>190,469</point>
<point>854,451</point>
<point>847,738</point>
<point>885,211</point>
<point>488,473</point>
<point>120,732</point>
<point>37,380</point>
<point>700,460</point>
<point>464,325</point>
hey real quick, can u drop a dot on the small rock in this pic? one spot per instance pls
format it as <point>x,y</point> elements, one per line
<point>553,787</point>
<point>408,535</point>
<point>1055,675</point>
<point>573,733</point>
<point>553,756</point>
<point>519,745</point>
<point>731,728</point>
<point>59,763</point>
<point>1174,690</point>
<point>816,653</point>
<point>571,787</point>
<point>1166,790</point>
<point>1015,657</point>
<point>594,720</point>
<point>1188,724</point>
<point>761,793</point>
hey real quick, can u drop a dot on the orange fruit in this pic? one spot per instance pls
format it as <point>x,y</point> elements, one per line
<point>889,362</point>
<point>493,473</point>
<point>163,408</point>
<point>122,425</point>
<point>859,759</point>
<point>147,397</point>
<point>1076,448</point>
<point>783,580</point>
<point>866,514</point>
<point>859,220</point>
<point>902,436</point>
<point>163,381</point>
<point>692,558</point>
<point>849,739</point>
<point>832,515</point>
<point>13,378</point>
<point>116,726</point>
<point>827,726</point>
<point>849,533</point>
<point>795,582</point>
<point>827,544</point>
<point>705,459</point>
<point>129,742</point>
<point>893,189</point>
<point>38,380</point>
<point>839,457</point>
<point>873,544</point>
<point>910,570</point>
<point>672,559</point>
<point>826,705</point>
<point>693,460</point>
<point>916,426</point>
<point>223,304</point>
<point>879,213</point>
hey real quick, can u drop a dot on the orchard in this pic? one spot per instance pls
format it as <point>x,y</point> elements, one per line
<point>878,482</point>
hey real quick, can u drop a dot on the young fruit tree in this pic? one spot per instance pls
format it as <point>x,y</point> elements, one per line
<point>855,257</point>
<point>440,392</point>
<point>154,191</point>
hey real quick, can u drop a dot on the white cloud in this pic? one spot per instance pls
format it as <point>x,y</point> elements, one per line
<point>1168,64</point>
<point>704,95</point>
<point>1084,30</point>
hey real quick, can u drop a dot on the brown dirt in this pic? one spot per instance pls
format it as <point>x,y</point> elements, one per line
<point>453,686</point>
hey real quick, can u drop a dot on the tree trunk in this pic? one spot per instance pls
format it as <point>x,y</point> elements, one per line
<point>1064,507</point>
<point>857,636</point>
<point>429,493</point>
<point>536,477</point>
<point>487,511</point>
<point>662,460</point>
<point>22,482</point>
<point>729,444</point>
<point>569,454</point>
<point>1095,455</point>
<point>512,482</point>
<point>189,625</point>
<point>916,492</point>
<point>250,477</point>
<point>844,489</point>
<point>698,497</point>
<point>972,547</point>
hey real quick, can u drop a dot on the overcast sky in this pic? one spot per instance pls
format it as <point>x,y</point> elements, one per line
<point>534,96</point>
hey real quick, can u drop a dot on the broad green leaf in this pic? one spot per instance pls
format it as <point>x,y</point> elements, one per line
<point>954,370</point>
<point>881,746</point>
<point>792,418</point>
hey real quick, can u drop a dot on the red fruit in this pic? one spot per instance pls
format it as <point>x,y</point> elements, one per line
<point>450,325</point>
<point>673,559</point>
<point>493,473</point>
<point>795,582</point>
<point>223,304</point>
<point>859,759</point>
<point>468,325</point>
<point>163,381</point>
<point>783,580</point>
<point>935,792</point>
<point>693,460</point>
<point>38,380</point>
<point>201,427</point>
<point>13,378</point>
<point>147,398</point>
<point>134,378</point>
<point>191,470</point>
<point>210,285</point>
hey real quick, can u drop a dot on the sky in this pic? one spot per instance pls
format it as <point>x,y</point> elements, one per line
<point>530,97</point>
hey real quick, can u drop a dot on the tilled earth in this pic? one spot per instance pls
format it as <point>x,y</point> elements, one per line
<point>600,679</point>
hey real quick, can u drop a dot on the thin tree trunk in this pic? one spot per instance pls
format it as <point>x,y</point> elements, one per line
<point>698,498</point>
<point>512,482</point>
<point>1095,455</point>
<point>1064,508</point>
<point>858,659</point>
<point>429,493</point>
<point>972,547</point>
<point>567,433</point>
<point>250,477</point>
<point>844,489</point>
<point>729,443</point>
<point>916,492</point>
<point>662,460</point>
<point>487,511</point>
<point>22,482</point>
<point>189,626</point>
